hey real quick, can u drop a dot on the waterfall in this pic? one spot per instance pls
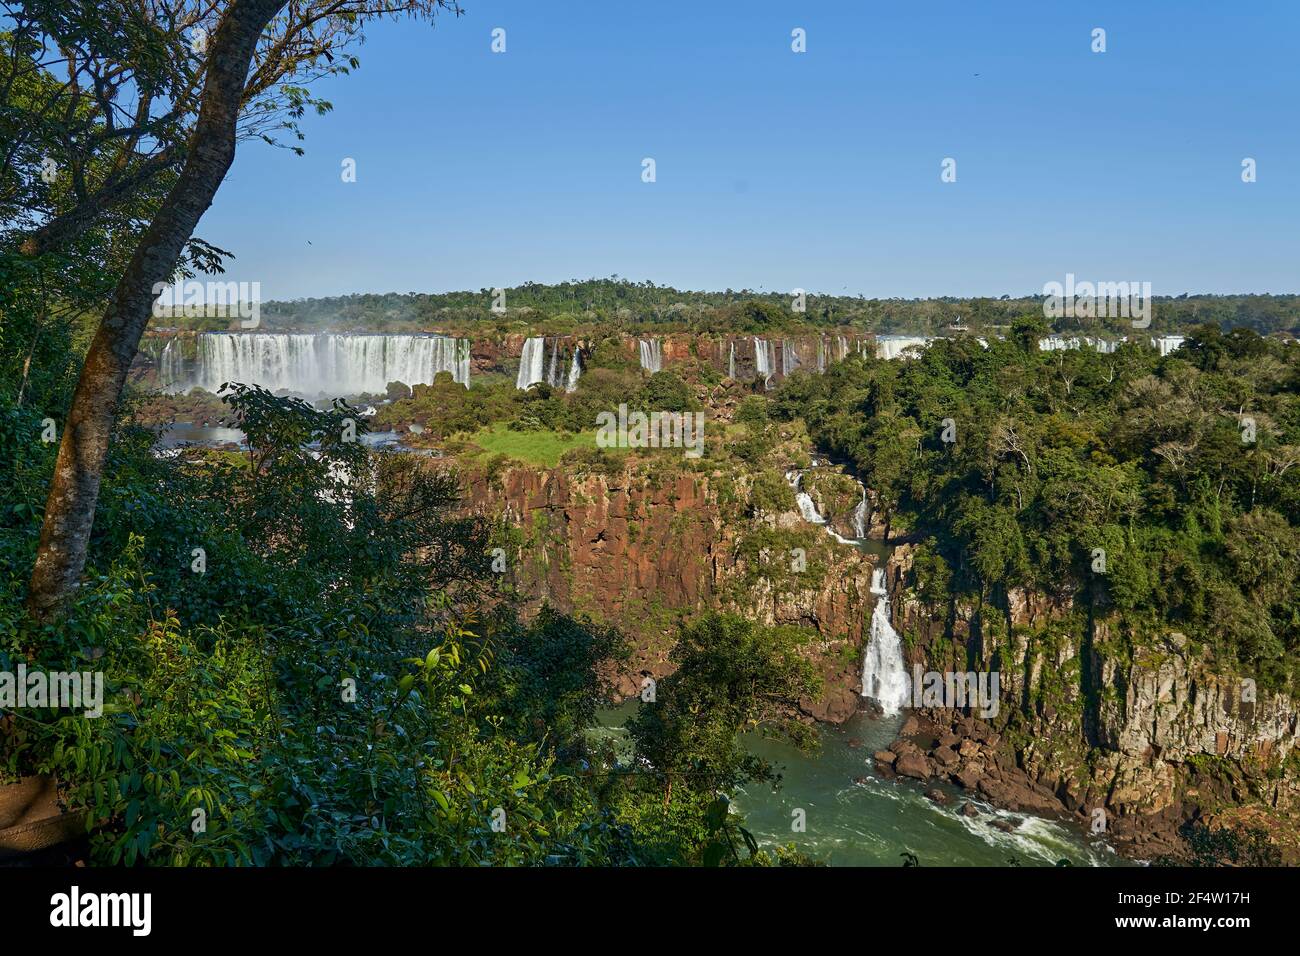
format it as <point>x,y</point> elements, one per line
<point>806,506</point>
<point>1168,343</point>
<point>171,365</point>
<point>789,357</point>
<point>860,514</point>
<point>531,363</point>
<point>884,675</point>
<point>893,346</point>
<point>821,354</point>
<point>335,364</point>
<point>575,371</point>
<point>764,359</point>
<point>731,362</point>
<point>651,355</point>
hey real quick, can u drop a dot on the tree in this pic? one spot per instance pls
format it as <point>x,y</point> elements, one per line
<point>243,39</point>
<point>732,676</point>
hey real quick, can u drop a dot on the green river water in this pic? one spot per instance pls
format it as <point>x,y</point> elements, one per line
<point>875,821</point>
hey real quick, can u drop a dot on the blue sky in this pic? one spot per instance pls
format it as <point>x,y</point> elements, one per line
<point>779,170</point>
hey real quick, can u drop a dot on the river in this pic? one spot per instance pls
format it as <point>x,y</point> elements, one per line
<point>873,822</point>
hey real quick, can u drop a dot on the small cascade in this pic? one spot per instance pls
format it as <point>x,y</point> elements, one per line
<point>807,509</point>
<point>651,355</point>
<point>884,673</point>
<point>860,515</point>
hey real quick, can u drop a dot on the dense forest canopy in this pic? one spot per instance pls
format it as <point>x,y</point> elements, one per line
<point>1020,469</point>
<point>618,304</point>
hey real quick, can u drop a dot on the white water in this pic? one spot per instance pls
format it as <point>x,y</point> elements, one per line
<point>532,363</point>
<point>789,358</point>
<point>535,366</point>
<point>807,509</point>
<point>884,675</point>
<point>171,365</point>
<point>764,359</point>
<point>892,346</point>
<point>731,362</point>
<point>651,355</point>
<point>860,514</point>
<point>332,364</point>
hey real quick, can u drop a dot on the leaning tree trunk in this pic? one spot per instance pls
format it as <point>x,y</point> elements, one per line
<point>70,508</point>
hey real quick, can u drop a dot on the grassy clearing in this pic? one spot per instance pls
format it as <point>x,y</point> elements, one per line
<point>536,448</point>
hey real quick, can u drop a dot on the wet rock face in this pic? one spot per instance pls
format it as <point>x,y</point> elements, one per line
<point>641,553</point>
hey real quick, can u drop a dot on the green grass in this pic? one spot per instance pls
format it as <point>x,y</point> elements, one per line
<point>537,448</point>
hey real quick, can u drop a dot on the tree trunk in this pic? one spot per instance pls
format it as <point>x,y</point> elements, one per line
<point>70,508</point>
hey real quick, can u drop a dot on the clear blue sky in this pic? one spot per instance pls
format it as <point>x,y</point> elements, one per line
<point>779,170</point>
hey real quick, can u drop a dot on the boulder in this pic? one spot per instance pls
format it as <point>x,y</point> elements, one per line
<point>913,765</point>
<point>886,757</point>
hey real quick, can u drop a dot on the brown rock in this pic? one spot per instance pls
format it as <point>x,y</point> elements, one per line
<point>913,765</point>
<point>886,757</point>
<point>969,776</point>
<point>945,758</point>
<point>938,796</point>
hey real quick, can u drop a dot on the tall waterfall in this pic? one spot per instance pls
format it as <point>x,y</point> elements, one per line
<point>532,363</point>
<point>731,362</point>
<point>329,363</point>
<point>171,365</point>
<point>652,359</point>
<point>764,359</point>
<point>535,366</point>
<point>884,674</point>
<point>789,357</point>
<point>575,371</point>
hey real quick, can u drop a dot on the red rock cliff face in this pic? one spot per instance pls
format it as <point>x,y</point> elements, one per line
<point>645,554</point>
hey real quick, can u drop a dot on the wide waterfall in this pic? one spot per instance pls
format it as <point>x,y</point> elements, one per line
<point>328,363</point>
<point>884,674</point>
<point>652,359</point>
<point>535,366</point>
<point>893,346</point>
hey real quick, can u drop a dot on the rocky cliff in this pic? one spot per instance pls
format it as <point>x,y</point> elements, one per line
<point>1097,716</point>
<point>644,549</point>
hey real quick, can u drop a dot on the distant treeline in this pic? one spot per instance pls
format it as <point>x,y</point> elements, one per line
<point>613,304</point>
